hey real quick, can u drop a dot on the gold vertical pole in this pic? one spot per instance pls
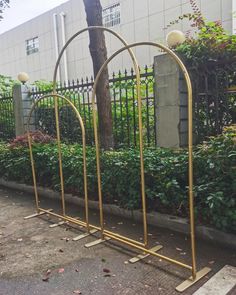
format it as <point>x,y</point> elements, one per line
<point>140,123</point>
<point>98,166</point>
<point>59,154</point>
<point>33,168</point>
<point>190,174</point>
<point>85,177</point>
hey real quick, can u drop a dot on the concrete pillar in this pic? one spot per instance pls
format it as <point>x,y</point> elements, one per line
<point>171,103</point>
<point>22,105</point>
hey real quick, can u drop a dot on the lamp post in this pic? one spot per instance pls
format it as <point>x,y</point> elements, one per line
<point>23,77</point>
<point>175,38</point>
<point>22,104</point>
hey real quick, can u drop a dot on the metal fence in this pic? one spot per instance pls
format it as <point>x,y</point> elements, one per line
<point>7,122</point>
<point>214,106</point>
<point>214,89</point>
<point>124,109</point>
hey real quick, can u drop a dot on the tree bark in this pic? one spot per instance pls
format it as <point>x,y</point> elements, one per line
<point>98,53</point>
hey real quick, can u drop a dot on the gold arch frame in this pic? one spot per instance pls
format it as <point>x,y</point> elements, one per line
<point>195,275</point>
<point>136,69</point>
<point>105,234</point>
<point>41,210</point>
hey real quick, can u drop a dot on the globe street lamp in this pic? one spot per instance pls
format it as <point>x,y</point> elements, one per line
<point>175,38</point>
<point>23,77</point>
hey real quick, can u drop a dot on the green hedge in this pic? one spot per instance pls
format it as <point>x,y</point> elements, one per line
<point>165,176</point>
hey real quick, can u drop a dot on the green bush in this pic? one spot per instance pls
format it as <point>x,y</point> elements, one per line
<point>165,176</point>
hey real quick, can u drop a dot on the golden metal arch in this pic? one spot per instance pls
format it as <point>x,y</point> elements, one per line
<point>137,72</point>
<point>39,209</point>
<point>125,240</point>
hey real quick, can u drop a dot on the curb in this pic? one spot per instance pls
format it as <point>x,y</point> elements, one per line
<point>170,222</point>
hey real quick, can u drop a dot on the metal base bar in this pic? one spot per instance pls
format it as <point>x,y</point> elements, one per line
<point>143,249</point>
<point>84,235</point>
<point>189,282</point>
<point>57,224</point>
<point>94,243</point>
<point>123,238</point>
<point>62,222</point>
<point>142,256</point>
<point>38,214</point>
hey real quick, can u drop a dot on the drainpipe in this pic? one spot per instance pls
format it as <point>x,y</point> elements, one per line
<point>56,43</point>
<point>62,15</point>
<point>233,17</point>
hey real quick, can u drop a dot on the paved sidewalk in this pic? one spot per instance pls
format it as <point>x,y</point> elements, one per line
<point>29,248</point>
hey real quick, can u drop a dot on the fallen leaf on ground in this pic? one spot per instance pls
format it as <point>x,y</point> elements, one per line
<point>106,270</point>
<point>76,270</point>
<point>61,270</point>
<point>211,262</point>
<point>60,250</point>
<point>65,239</point>
<point>103,260</point>
<point>46,277</point>
<point>19,240</point>
<point>27,255</point>
<point>77,292</point>
<point>120,222</point>
<point>178,249</point>
<point>107,275</point>
<point>183,253</point>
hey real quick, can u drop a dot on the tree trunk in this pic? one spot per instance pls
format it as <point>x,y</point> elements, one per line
<point>98,53</point>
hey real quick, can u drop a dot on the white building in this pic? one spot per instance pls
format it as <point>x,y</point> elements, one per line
<point>32,47</point>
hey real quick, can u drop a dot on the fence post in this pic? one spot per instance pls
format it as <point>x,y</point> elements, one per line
<point>22,105</point>
<point>170,103</point>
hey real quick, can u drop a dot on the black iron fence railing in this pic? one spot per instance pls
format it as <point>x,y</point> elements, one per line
<point>214,97</point>
<point>7,121</point>
<point>124,109</point>
<point>214,100</point>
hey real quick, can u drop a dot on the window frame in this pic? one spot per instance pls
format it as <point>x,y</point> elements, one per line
<point>32,45</point>
<point>111,15</point>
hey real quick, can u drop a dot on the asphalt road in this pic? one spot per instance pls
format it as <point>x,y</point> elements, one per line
<point>29,249</point>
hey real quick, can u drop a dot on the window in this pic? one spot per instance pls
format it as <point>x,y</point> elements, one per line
<point>111,15</point>
<point>32,45</point>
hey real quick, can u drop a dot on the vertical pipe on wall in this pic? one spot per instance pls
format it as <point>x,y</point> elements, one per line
<point>56,42</point>
<point>233,16</point>
<point>62,15</point>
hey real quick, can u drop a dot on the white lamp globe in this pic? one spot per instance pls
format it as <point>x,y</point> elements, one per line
<point>175,38</point>
<point>23,77</point>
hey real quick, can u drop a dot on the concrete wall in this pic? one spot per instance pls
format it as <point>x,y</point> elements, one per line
<point>171,100</point>
<point>140,20</point>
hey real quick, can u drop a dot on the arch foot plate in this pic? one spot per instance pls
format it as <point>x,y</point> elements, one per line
<point>189,282</point>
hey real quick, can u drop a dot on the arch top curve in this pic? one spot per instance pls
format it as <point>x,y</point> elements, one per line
<point>55,96</point>
<point>118,36</point>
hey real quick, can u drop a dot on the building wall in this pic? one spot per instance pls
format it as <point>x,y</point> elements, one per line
<point>141,20</point>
